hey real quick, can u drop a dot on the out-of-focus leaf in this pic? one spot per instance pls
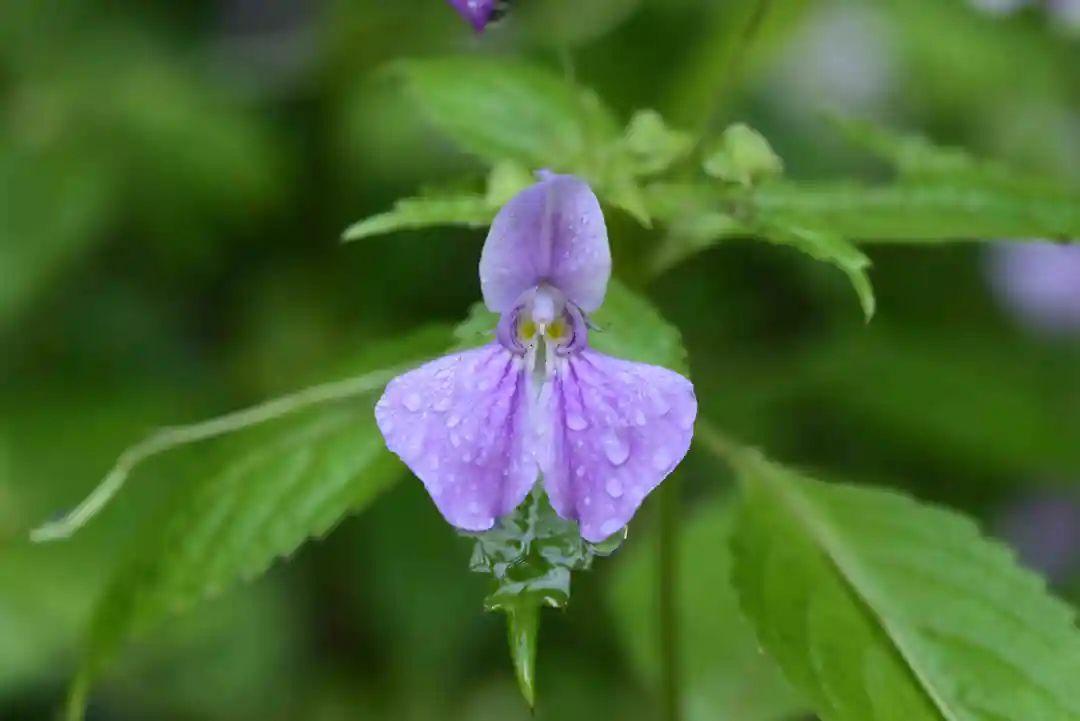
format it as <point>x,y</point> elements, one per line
<point>275,488</point>
<point>878,607</point>
<point>926,388</point>
<point>742,156</point>
<point>503,110</point>
<point>500,109</point>
<point>652,145</point>
<point>725,674</point>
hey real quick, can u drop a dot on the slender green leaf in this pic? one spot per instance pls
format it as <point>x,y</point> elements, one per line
<point>472,211</point>
<point>725,674</point>
<point>879,607</point>
<point>263,495</point>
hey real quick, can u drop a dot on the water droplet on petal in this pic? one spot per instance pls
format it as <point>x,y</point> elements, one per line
<point>639,417</point>
<point>466,457</point>
<point>443,404</point>
<point>616,449</point>
<point>453,420</point>
<point>474,508</point>
<point>576,422</point>
<point>661,460</point>
<point>614,487</point>
<point>455,440</point>
<point>413,402</point>
<point>580,471</point>
<point>610,526</point>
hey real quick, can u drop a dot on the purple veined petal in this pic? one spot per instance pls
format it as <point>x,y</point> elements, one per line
<point>459,424</point>
<point>477,13</point>
<point>618,429</point>
<point>552,232</point>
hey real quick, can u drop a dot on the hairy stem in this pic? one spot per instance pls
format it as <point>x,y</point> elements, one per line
<point>668,579</point>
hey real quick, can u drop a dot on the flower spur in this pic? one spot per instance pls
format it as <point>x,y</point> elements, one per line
<point>480,427</point>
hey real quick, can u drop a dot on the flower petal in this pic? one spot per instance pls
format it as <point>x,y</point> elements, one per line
<point>458,423</point>
<point>619,429</point>
<point>476,12</point>
<point>552,232</point>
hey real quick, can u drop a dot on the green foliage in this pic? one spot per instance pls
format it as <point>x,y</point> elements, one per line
<point>499,110</point>
<point>530,555</point>
<point>258,500</point>
<point>878,607</point>
<point>743,156</point>
<point>654,147</point>
<point>472,211</point>
<point>725,675</point>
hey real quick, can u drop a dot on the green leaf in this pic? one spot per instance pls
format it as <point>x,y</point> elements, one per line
<point>502,110</point>
<point>653,146</point>
<point>530,555</point>
<point>879,607</point>
<point>743,156</point>
<point>263,495</point>
<point>725,674</point>
<point>472,211</point>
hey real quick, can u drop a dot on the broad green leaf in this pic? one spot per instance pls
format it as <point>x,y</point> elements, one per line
<point>725,675</point>
<point>881,608</point>
<point>501,109</point>
<point>504,110</point>
<point>262,496</point>
<point>472,211</point>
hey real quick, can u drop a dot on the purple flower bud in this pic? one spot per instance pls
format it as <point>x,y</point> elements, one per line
<point>479,428</point>
<point>1040,283</point>
<point>477,13</point>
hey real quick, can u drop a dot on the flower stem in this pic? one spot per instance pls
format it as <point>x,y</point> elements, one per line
<point>668,578</point>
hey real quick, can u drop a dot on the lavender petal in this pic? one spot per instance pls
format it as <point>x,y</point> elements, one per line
<point>618,429</point>
<point>459,424</point>
<point>552,232</point>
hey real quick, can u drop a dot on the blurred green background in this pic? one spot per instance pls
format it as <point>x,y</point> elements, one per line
<point>174,178</point>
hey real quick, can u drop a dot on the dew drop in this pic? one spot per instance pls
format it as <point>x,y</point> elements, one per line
<point>442,405</point>
<point>614,487</point>
<point>616,449</point>
<point>576,422</point>
<point>639,418</point>
<point>455,440</point>
<point>610,526</point>
<point>580,471</point>
<point>474,508</point>
<point>453,420</point>
<point>661,460</point>
<point>466,457</point>
<point>412,402</point>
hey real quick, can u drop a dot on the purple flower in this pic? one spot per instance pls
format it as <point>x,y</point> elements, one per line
<point>477,13</point>
<point>480,427</point>
<point>1040,283</point>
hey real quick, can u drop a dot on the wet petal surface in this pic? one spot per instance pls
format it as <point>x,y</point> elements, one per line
<point>552,232</point>
<point>617,430</point>
<point>459,423</point>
